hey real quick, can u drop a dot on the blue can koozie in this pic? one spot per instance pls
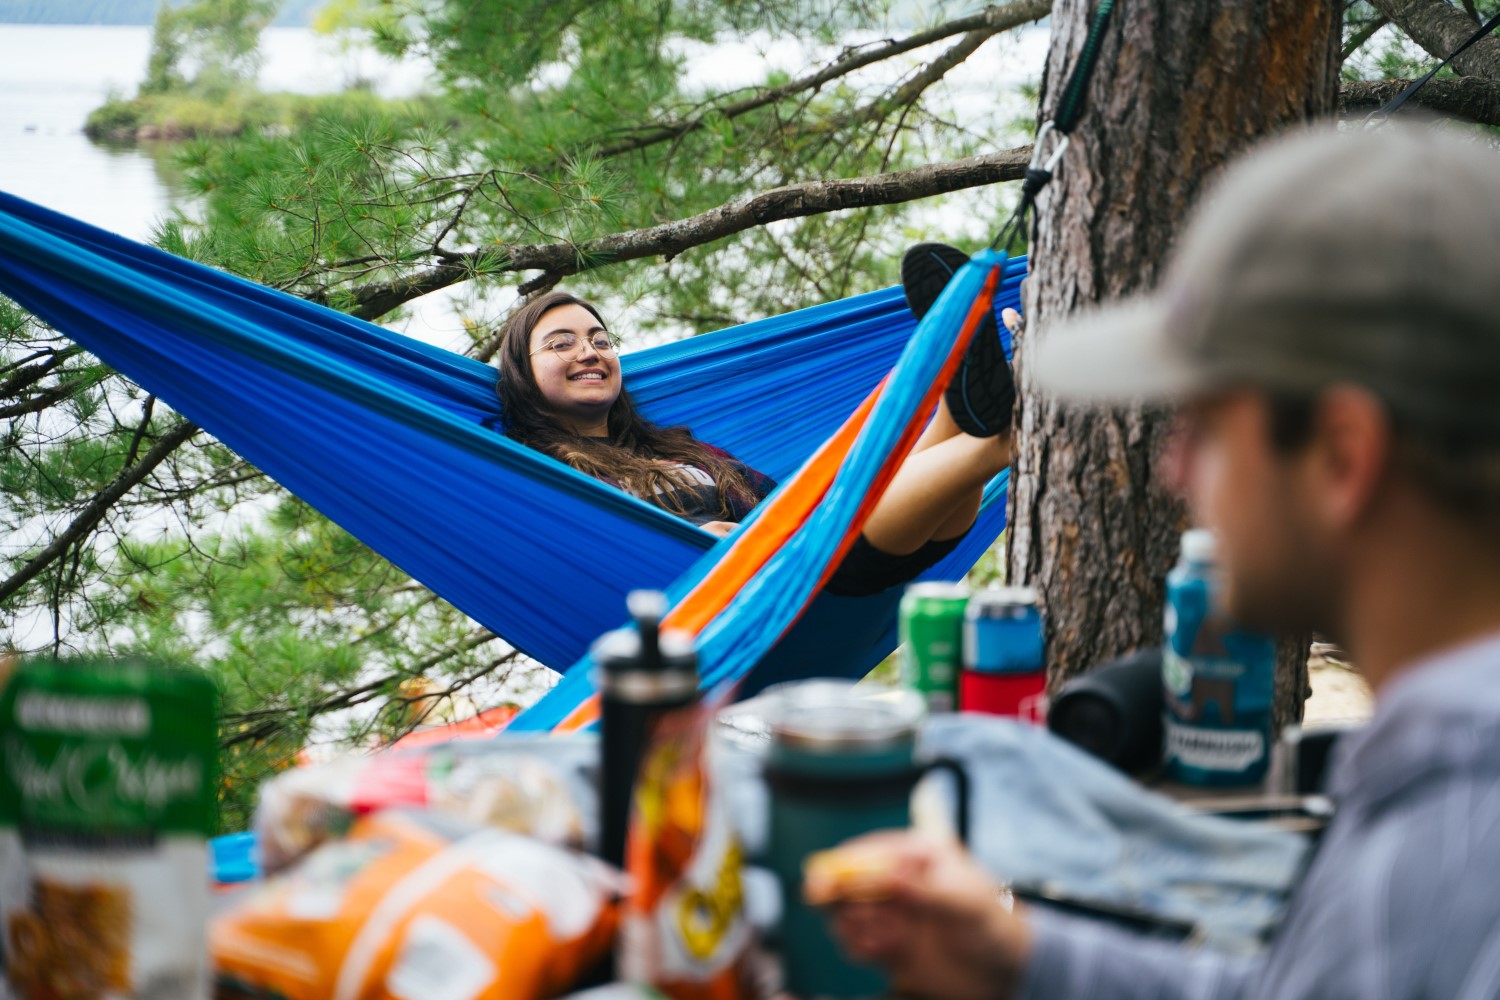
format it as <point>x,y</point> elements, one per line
<point>1219,679</point>
<point>1003,632</point>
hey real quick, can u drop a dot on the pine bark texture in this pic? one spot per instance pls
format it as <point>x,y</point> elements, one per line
<point>1180,88</point>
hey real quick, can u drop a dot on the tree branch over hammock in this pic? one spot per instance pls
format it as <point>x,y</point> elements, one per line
<point>1440,28</point>
<point>1469,97</point>
<point>987,22</point>
<point>912,89</point>
<point>976,28</point>
<point>557,260</point>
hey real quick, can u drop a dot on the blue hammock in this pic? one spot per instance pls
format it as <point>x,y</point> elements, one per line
<point>386,436</point>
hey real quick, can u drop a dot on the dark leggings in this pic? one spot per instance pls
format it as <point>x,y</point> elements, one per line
<point>867,570</point>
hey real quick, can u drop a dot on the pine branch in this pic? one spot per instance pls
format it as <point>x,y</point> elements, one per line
<point>42,400</point>
<point>793,201</point>
<point>26,376</point>
<point>1440,28</point>
<point>1467,97</point>
<point>977,28</point>
<point>147,409</point>
<point>912,89</point>
<point>269,721</point>
<point>45,352</point>
<point>93,512</point>
<point>988,21</point>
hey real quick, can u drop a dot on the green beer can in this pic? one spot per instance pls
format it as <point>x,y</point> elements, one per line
<point>932,641</point>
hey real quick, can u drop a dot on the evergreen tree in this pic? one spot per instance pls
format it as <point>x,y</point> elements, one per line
<point>211,46</point>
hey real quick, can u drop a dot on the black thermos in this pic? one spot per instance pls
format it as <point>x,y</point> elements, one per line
<point>643,673</point>
<point>1114,711</point>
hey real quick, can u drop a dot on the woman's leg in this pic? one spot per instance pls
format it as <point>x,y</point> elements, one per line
<point>940,428</point>
<point>935,495</point>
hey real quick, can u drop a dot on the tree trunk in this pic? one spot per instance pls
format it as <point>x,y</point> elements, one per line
<point>1181,87</point>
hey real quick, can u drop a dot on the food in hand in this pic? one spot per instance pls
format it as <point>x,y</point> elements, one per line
<point>852,873</point>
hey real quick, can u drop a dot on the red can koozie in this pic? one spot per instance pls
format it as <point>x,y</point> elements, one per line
<point>1021,695</point>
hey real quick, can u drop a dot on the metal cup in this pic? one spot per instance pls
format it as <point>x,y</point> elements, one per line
<point>842,763</point>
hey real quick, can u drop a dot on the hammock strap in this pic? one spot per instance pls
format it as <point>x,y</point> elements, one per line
<point>1057,128</point>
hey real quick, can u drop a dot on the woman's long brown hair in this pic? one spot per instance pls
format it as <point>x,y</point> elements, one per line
<point>637,456</point>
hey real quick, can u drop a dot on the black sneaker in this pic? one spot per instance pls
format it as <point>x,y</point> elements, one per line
<point>983,392</point>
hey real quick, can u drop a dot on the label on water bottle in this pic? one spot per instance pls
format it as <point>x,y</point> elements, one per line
<point>1218,681</point>
<point>1220,750</point>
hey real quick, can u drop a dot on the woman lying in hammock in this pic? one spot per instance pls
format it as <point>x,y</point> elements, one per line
<point>561,393</point>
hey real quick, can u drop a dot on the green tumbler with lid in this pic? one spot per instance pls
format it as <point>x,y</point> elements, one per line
<point>842,763</point>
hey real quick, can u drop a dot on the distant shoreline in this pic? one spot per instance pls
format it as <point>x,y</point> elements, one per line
<point>125,13</point>
<point>301,22</point>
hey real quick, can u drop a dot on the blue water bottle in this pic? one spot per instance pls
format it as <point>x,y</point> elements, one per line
<point>1219,679</point>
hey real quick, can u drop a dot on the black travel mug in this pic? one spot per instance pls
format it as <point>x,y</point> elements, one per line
<point>643,673</point>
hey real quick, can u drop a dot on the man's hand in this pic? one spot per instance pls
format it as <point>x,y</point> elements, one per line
<point>720,528</point>
<point>924,911</point>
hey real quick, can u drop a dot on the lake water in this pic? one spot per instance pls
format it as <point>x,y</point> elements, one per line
<point>50,79</point>
<point>52,76</point>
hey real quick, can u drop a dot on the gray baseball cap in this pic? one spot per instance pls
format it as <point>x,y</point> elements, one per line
<point>1369,257</point>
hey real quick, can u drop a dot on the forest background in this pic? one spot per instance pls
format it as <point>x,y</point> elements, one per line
<point>547,126</point>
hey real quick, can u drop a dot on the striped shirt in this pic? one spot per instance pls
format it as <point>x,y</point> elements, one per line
<point>1403,898</point>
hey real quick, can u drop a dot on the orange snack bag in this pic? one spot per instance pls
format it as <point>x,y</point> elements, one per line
<point>397,909</point>
<point>684,930</point>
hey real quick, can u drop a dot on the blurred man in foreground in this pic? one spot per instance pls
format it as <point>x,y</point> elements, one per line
<point>1330,326</point>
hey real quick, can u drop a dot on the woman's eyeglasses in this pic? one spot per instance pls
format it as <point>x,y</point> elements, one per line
<point>569,346</point>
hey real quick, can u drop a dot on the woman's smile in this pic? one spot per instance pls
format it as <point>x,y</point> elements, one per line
<point>578,379</point>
